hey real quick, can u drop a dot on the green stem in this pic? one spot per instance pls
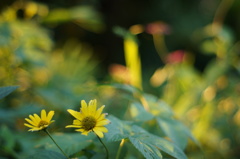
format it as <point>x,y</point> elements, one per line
<point>103,145</point>
<point>120,149</point>
<point>45,130</point>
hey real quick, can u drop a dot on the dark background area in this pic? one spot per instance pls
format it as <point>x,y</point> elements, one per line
<point>183,17</point>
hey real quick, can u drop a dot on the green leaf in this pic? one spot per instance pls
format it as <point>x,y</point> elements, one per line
<point>118,129</point>
<point>9,116</point>
<point>172,128</point>
<point>84,16</point>
<point>5,33</point>
<point>148,150</point>
<point>158,107</point>
<point>148,144</point>
<point>175,130</point>
<point>214,70</point>
<point>139,113</point>
<point>71,143</point>
<point>46,154</point>
<point>120,31</point>
<point>4,91</point>
<point>7,138</point>
<point>126,87</point>
<point>58,16</point>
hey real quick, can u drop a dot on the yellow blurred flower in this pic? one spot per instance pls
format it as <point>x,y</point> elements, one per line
<point>37,123</point>
<point>89,119</point>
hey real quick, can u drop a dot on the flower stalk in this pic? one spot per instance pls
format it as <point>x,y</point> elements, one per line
<point>120,148</point>
<point>107,154</point>
<point>46,131</point>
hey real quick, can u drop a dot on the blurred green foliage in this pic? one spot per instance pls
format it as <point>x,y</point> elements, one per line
<point>186,104</point>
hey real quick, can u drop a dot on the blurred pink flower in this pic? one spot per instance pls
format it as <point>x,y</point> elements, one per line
<point>175,57</point>
<point>158,27</point>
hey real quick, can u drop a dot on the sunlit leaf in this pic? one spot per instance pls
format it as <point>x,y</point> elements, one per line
<point>209,46</point>
<point>158,107</point>
<point>139,113</point>
<point>58,16</point>
<point>85,16</point>
<point>214,70</point>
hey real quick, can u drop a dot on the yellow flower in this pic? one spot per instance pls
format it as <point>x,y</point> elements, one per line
<point>36,123</point>
<point>89,119</point>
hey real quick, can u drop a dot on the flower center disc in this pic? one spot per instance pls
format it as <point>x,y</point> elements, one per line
<point>88,123</point>
<point>42,123</point>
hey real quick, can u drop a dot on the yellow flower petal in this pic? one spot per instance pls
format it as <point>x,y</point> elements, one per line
<point>51,122</point>
<point>44,115</point>
<point>89,119</point>
<point>100,128</point>
<point>33,119</point>
<point>76,122</point>
<point>30,126</point>
<point>80,130</point>
<point>50,115</point>
<point>38,119</point>
<point>73,126</point>
<point>99,111</point>
<point>31,122</point>
<point>101,117</point>
<point>76,114</point>
<point>35,129</point>
<point>84,109</point>
<point>103,122</point>
<point>39,123</point>
<point>85,132</point>
<point>99,133</point>
<point>92,107</point>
